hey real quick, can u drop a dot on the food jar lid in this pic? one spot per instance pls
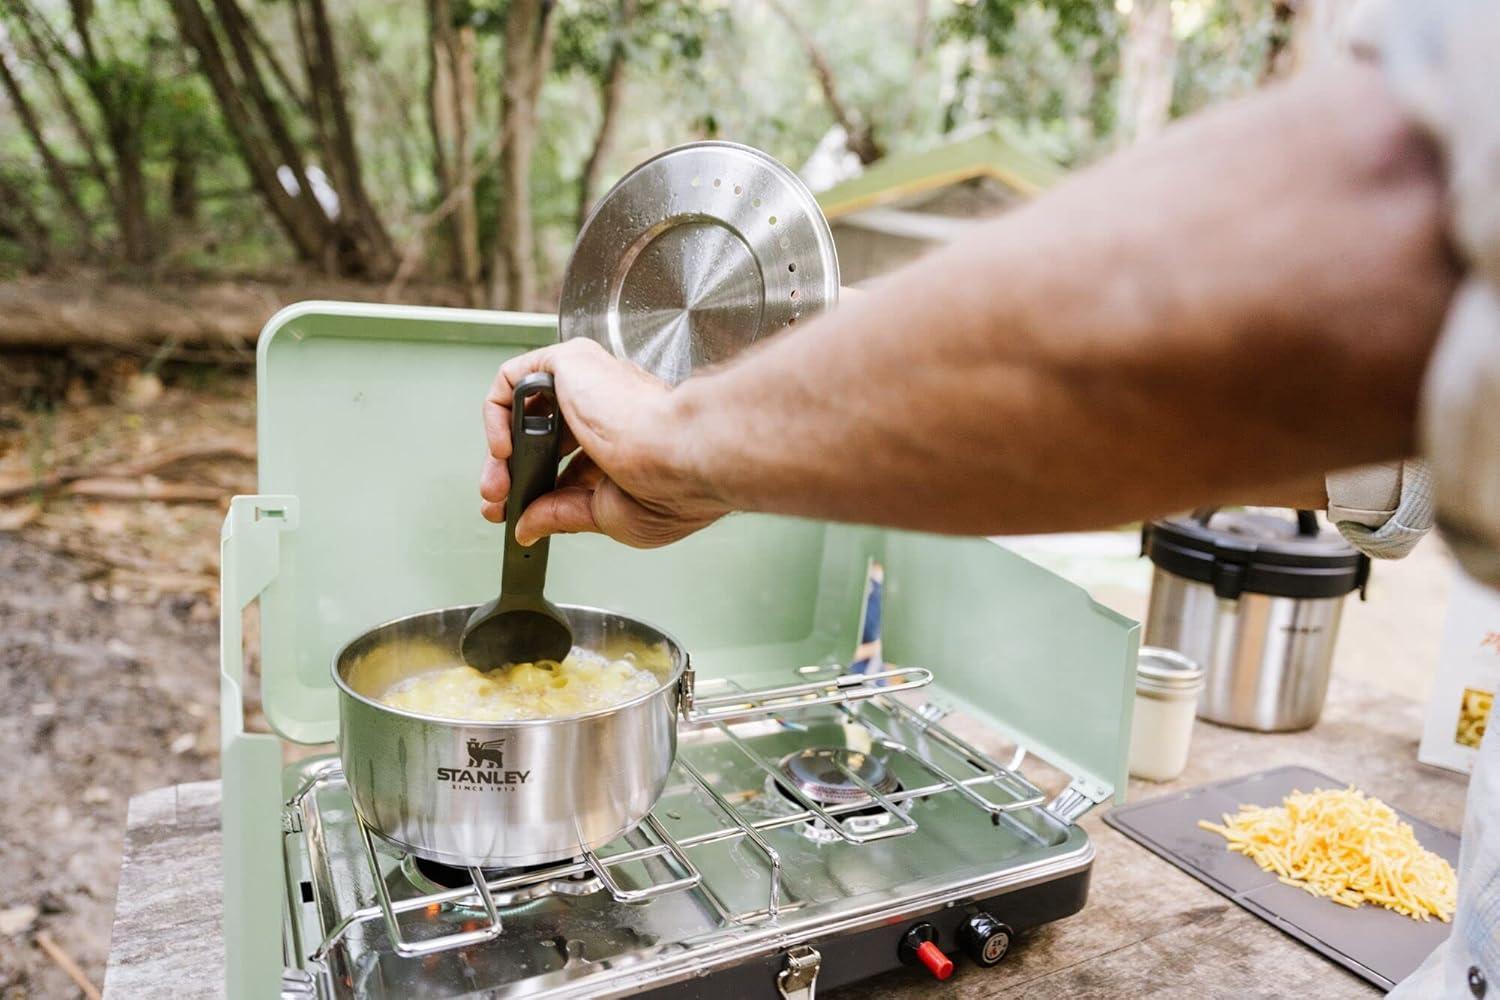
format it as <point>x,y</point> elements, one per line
<point>1256,552</point>
<point>1166,671</point>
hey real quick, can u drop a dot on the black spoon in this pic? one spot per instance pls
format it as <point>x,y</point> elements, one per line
<point>522,626</point>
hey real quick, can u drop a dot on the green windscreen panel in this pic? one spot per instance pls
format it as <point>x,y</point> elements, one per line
<point>1017,646</point>
<point>370,417</point>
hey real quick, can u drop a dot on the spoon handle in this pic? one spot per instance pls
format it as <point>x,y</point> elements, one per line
<point>534,438</point>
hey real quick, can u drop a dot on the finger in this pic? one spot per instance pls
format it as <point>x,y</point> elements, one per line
<point>492,512</point>
<point>582,471</point>
<point>578,365</point>
<point>546,359</point>
<point>494,480</point>
<point>557,512</point>
<point>498,401</point>
<point>497,417</point>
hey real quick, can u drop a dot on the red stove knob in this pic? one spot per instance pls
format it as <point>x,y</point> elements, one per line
<point>930,955</point>
<point>919,947</point>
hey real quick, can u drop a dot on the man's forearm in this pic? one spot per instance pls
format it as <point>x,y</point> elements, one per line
<point>1247,302</point>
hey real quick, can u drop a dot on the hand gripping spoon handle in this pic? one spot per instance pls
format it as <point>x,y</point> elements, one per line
<point>522,626</point>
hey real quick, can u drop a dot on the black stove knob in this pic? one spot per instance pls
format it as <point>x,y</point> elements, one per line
<point>984,939</point>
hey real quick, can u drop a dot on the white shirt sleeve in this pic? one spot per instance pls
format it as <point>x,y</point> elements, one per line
<point>1441,59</point>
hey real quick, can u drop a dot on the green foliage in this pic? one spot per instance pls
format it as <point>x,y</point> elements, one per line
<point>1048,66</point>
<point>694,69</point>
<point>1221,51</point>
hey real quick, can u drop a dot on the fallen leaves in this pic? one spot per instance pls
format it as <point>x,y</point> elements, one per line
<point>18,919</point>
<point>132,481</point>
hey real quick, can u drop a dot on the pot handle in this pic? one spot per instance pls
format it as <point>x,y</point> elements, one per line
<point>837,690</point>
<point>1307,520</point>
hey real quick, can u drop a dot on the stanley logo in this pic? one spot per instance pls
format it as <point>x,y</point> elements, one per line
<point>485,771</point>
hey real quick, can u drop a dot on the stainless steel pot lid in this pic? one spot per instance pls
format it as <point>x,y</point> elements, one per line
<point>696,254</point>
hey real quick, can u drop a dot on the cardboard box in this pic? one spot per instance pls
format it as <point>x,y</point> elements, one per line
<point>1468,678</point>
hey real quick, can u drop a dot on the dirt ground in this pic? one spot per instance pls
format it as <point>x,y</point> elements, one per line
<point>108,637</point>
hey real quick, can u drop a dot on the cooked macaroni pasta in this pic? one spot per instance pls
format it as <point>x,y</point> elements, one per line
<point>583,682</point>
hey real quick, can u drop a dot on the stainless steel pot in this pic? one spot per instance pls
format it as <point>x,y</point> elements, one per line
<point>502,794</point>
<point>1256,600</point>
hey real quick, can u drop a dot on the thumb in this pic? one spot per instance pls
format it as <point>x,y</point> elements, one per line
<point>559,512</point>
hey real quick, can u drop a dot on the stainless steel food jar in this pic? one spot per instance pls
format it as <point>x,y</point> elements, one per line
<point>1255,598</point>
<point>503,794</point>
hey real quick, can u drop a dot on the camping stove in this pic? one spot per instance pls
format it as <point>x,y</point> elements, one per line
<point>806,848</point>
<point>824,820</point>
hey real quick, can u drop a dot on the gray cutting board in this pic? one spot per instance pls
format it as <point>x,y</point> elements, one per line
<point>1372,942</point>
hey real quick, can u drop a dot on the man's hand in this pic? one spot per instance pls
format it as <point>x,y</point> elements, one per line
<point>626,480</point>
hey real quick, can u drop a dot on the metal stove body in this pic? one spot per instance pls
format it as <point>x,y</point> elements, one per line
<point>818,827</point>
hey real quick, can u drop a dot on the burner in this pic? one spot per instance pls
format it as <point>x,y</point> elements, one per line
<point>817,774</point>
<point>453,877</point>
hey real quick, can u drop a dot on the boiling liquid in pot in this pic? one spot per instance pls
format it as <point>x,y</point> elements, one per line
<point>584,681</point>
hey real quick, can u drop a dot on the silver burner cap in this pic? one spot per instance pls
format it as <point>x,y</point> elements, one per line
<point>816,773</point>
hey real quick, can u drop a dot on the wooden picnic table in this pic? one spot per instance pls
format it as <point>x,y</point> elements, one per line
<point>1148,928</point>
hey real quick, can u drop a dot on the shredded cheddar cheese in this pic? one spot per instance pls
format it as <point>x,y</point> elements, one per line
<point>1347,847</point>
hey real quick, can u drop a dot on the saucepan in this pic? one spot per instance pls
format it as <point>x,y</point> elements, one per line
<point>533,791</point>
<point>512,793</point>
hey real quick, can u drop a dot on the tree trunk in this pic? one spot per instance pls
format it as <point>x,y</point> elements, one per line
<point>19,222</point>
<point>46,45</point>
<point>1278,46</point>
<point>357,216</point>
<point>859,134</point>
<point>305,229</point>
<point>183,186</point>
<point>57,173</point>
<point>528,49</point>
<point>237,31</point>
<point>1148,58</point>
<point>451,95</point>
<point>612,90</point>
<point>278,68</point>
<point>125,141</point>
<point>122,102</point>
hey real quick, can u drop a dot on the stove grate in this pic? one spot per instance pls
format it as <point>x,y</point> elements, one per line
<point>1019,794</point>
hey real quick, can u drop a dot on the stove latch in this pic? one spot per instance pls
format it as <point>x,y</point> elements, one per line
<point>798,979</point>
<point>297,984</point>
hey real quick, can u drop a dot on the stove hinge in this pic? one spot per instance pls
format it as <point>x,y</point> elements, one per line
<point>798,979</point>
<point>1078,798</point>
